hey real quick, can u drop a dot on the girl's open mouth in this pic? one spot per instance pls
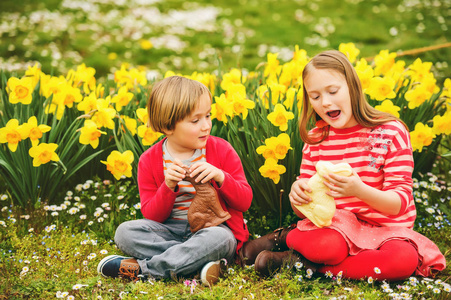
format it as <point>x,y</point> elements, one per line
<point>333,114</point>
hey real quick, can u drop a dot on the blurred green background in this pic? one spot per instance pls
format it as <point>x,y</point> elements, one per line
<point>206,36</point>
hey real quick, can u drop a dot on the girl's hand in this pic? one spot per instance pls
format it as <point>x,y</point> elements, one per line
<point>206,172</point>
<point>174,174</point>
<point>342,186</point>
<point>297,194</point>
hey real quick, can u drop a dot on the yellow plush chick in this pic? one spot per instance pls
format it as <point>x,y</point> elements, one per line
<point>321,209</point>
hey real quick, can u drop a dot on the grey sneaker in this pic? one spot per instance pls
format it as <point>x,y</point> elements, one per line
<point>119,266</point>
<point>212,271</point>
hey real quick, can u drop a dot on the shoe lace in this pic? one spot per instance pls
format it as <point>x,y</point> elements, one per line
<point>129,271</point>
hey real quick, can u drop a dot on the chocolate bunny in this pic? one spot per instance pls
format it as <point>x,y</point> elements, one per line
<point>205,209</point>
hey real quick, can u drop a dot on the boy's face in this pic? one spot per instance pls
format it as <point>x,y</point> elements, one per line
<point>192,132</point>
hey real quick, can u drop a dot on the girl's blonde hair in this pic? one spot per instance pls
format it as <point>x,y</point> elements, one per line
<point>172,100</point>
<point>364,113</point>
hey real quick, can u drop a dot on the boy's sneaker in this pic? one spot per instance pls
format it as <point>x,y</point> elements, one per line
<point>119,266</point>
<point>212,271</point>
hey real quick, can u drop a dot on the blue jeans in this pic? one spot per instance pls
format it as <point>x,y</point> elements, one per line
<point>169,248</point>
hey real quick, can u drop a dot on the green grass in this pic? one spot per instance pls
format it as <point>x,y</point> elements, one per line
<point>244,31</point>
<point>53,251</point>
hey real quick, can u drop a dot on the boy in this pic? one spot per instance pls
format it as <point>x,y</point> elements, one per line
<point>162,245</point>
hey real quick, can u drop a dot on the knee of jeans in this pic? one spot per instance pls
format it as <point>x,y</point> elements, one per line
<point>224,237</point>
<point>123,234</point>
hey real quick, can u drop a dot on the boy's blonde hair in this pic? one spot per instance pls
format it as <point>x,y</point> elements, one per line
<point>172,100</point>
<point>364,113</point>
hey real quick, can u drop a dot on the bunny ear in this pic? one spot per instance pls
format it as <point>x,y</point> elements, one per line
<point>324,167</point>
<point>342,169</point>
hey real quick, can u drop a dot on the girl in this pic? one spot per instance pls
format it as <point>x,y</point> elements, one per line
<point>371,234</point>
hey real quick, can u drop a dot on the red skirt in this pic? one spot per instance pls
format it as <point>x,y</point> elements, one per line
<point>361,236</point>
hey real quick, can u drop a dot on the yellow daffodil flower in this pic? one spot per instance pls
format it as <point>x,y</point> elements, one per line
<point>83,77</point>
<point>36,130</point>
<point>290,95</point>
<point>43,153</point>
<point>148,135</point>
<point>233,77</point>
<point>365,73</point>
<point>104,115</point>
<point>442,124</point>
<point>221,109</point>
<point>446,92</point>
<point>90,134</point>
<point>34,72</point>
<point>417,96</point>
<point>272,65</point>
<point>20,90</point>
<point>422,136</point>
<point>237,95</point>
<point>207,79</point>
<point>275,147</point>
<point>122,98</point>
<point>381,88</point>
<point>142,115</point>
<point>88,104</point>
<point>13,133</point>
<point>130,78</point>
<point>419,70</point>
<point>119,164</point>
<point>388,107</point>
<point>131,124</point>
<point>350,50</point>
<point>272,170</point>
<point>384,61</point>
<point>280,117</point>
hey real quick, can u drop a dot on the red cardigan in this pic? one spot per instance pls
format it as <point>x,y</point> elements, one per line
<point>235,194</point>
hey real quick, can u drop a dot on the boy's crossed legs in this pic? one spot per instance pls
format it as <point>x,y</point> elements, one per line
<point>168,249</point>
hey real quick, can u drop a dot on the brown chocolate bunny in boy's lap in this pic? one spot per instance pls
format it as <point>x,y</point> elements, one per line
<point>205,209</point>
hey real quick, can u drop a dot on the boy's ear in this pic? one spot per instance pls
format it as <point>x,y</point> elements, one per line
<point>167,132</point>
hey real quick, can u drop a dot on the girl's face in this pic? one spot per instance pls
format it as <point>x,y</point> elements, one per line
<point>192,132</point>
<point>328,94</point>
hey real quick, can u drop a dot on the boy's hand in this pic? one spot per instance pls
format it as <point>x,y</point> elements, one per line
<point>297,194</point>
<point>207,172</point>
<point>174,174</point>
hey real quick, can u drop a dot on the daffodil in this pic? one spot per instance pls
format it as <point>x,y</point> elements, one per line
<point>384,61</point>
<point>13,133</point>
<point>272,65</point>
<point>419,70</point>
<point>291,95</point>
<point>119,164</point>
<point>221,109</point>
<point>83,77</point>
<point>148,135</point>
<point>365,73</point>
<point>447,89</point>
<point>422,136</point>
<point>240,104</point>
<point>122,98</point>
<point>275,147</point>
<point>131,124</point>
<point>36,130</point>
<point>280,117</point>
<point>234,76</point>
<point>142,115</point>
<point>272,170</point>
<point>43,153</point>
<point>350,50</point>
<point>207,79</point>
<point>388,107</point>
<point>442,124</point>
<point>104,115</point>
<point>88,104</point>
<point>90,134</point>
<point>130,78</point>
<point>417,96</point>
<point>20,90</point>
<point>381,88</point>
<point>34,72</point>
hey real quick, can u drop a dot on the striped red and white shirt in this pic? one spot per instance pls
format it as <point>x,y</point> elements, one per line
<point>381,156</point>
